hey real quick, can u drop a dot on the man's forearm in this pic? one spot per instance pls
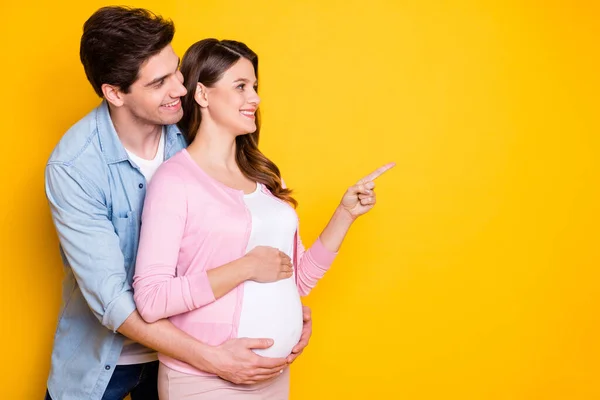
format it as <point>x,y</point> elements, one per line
<point>166,338</point>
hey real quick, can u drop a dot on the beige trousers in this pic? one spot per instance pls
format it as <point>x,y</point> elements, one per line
<point>175,385</point>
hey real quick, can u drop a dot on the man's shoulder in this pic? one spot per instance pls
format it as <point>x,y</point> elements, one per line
<point>82,137</point>
<point>79,153</point>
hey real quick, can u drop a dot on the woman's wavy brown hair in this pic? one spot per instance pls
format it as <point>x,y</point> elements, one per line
<point>206,61</point>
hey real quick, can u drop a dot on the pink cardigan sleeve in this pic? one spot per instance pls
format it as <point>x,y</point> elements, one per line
<point>310,264</point>
<point>160,290</point>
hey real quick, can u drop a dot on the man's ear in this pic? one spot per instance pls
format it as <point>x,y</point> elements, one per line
<point>113,94</point>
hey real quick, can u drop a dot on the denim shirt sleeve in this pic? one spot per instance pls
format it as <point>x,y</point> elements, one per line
<point>90,244</point>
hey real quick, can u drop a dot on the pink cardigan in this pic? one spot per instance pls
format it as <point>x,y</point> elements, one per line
<point>190,224</point>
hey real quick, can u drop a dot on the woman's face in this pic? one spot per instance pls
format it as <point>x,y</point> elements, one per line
<point>233,101</point>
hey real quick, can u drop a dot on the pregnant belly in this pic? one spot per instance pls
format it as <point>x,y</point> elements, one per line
<point>272,311</point>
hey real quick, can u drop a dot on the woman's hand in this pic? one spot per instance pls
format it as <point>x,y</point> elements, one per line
<point>305,337</point>
<point>360,198</point>
<point>268,264</point>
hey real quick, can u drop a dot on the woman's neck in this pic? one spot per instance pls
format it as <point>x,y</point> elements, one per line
<point>214,149</point>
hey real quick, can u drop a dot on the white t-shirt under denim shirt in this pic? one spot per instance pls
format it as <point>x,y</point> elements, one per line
<point>271,310</point>
<point>133,352</point>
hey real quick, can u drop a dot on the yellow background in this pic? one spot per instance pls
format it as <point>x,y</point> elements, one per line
<point>476,276</point>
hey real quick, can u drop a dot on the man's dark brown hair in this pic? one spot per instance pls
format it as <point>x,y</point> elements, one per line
<point>117,40</point>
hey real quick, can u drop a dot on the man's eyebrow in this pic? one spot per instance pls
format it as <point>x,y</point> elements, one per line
<point>156,80</point>
<point>160,78</point>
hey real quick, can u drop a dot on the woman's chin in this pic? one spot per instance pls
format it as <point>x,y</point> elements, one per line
<point>246,132</point>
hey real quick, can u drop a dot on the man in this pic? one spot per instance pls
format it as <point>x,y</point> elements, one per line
<point>96,182</point>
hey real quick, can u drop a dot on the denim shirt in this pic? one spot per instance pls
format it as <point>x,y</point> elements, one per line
<point>96,195</point>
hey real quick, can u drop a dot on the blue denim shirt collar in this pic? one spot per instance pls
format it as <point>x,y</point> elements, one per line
<point>111,145</point>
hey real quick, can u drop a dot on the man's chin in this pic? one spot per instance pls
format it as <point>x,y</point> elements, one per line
<point>171,120</point>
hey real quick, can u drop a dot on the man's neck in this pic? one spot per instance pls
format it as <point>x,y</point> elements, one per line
<point>141,139</point>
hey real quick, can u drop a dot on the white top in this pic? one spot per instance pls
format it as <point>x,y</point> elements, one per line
<point>271,310</point>
<point>149,167</point>
<point>133,352</point>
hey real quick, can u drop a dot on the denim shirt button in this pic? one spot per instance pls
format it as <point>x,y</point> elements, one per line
<point>141,185</point>
<point>107,367</point>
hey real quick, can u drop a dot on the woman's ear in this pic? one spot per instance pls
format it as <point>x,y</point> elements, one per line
<point>201,96</point>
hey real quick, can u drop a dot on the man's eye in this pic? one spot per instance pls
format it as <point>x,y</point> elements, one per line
<point>159,84</point>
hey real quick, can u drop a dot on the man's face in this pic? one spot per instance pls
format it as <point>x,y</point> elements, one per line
<point>154,98</point>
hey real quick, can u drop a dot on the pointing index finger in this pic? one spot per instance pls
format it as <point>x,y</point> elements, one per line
<point>377,173</point>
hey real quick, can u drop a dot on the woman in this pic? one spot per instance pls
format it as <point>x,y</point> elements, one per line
<point>219,251</point>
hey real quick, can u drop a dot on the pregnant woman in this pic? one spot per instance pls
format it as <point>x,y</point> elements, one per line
<point>219,253</point>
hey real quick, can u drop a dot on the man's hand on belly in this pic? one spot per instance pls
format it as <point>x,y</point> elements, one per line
<point>235,361</point>
<point>306,333</point>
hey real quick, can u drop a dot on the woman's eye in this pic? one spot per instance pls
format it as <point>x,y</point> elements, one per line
<point>241,86</point>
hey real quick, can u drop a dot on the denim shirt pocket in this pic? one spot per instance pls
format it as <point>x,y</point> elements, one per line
<point>124,228</point>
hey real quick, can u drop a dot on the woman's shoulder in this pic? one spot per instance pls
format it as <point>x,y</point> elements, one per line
<point>176,168</point>
<point>171,173</point>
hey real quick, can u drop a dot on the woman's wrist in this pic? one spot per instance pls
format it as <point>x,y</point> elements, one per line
<point>342,216</point>
<point>246,268</point>
<point>336,229</point>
